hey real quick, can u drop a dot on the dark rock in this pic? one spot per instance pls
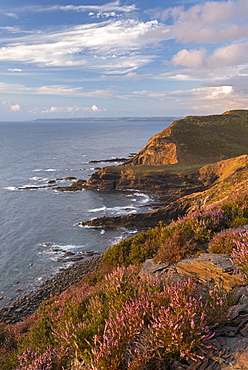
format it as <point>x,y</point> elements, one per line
<point>69,178</point>
<point>109,160</point>
<point>75,186</point>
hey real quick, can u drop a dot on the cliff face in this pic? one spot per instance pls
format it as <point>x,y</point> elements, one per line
<point>160,149</point>
<point>197,139</point>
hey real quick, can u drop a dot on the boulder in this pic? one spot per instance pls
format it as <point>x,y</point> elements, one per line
<point>213,269</point>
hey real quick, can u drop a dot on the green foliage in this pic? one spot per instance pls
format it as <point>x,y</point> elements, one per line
<point>180,238</point>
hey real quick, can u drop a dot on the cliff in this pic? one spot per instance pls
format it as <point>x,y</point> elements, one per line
<point>197,140</point>
<point>170,159</point>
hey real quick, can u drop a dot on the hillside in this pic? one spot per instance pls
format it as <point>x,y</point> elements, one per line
<point>197,140</point>
<point>168,298</point>
<point>169,159</point>
<point>173,296</point>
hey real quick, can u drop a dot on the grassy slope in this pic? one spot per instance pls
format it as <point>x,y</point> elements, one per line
<point>207,139</point>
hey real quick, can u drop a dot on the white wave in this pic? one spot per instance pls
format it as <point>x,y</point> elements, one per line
<point>44,170</point>
<point>145,196</point>
<point>55,246</point>
<point>118,239</point>
<point>35,178</point>
<point>12,188</point>
<point>115,210</point>
<point>103,208</point>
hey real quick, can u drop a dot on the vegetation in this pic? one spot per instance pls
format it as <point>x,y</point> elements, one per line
<point>180,238</point>
<point>115,320</point>
<point>208,139</point>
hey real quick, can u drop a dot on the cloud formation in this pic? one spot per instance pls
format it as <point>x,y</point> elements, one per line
<point>232,55</point>
<point>110,46</point>
<point>72,110</point>
<point>59,90</point>
<point>207,99</point>
<point>109,7</point>
<point>212,21</point>
<point>12,107</point>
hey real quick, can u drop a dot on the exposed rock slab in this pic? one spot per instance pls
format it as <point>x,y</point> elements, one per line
<point>211,269</point>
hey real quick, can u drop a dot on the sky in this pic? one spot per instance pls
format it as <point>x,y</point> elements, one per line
<point>98,58</point>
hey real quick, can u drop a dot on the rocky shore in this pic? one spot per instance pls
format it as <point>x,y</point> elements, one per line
<point>29,302</point>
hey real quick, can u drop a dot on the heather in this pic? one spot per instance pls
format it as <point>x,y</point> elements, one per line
<point>115,320</point>
<point>181,238</point>
<point>120,323</point>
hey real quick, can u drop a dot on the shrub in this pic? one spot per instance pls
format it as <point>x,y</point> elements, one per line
<point>177,246</point>
<point>240,255</point>
<point>120,323</point>
<point>224,242</point>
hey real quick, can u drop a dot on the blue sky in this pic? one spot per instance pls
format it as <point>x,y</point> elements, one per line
<point>79,58</point>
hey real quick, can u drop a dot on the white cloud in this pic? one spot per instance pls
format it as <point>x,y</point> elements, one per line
<point>116,47</point>
<point>112,6</point>
<point>205,99</point>
<point>73,109</point>
<point>12,15</point>
<point>14,70</point>
<point>12,29</point>
<point>231,55</point>
<point>211,21</point>
<point>12,107</point>
<point>15,107</point>
<point>191,58</point>
<point>59,90</point>
<point>227,56</point>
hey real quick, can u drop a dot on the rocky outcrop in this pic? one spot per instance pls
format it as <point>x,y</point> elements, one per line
<point>210,184</point>
<point>209,269</point>
<point>160,149</point>
<point>142,221</point>
<point>122,178</point>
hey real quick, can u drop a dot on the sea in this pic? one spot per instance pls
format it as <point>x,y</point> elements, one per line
<point>39,228</point>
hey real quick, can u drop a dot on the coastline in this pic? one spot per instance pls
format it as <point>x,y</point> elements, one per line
<point>29,302</point>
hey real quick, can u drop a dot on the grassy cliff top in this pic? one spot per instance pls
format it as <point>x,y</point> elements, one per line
<point>197,140</point>
<point>207,139</point>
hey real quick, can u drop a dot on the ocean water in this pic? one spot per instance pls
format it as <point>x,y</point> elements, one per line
<point>38,227</point>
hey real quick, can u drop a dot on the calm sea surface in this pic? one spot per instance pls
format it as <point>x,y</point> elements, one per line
<point>37,227</point>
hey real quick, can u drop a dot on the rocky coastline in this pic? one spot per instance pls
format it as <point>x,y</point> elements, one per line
<point>28,303</point>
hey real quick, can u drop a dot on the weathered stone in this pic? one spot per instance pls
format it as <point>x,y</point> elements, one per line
<point>151,268</point>
<point>211,268</point>
<point>244,331</point>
